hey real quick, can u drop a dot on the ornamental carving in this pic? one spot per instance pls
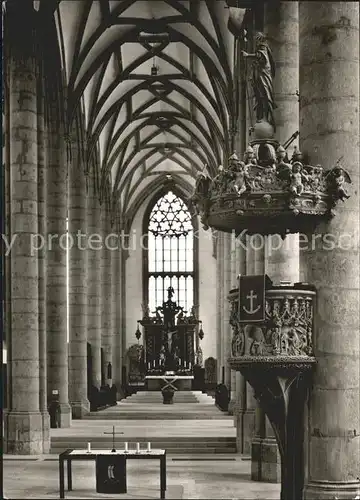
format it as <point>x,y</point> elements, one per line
<point>267,193</point>
<point>287,331</point>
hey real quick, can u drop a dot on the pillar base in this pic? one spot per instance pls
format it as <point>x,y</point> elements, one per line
<point>265,460</point>
<point>24,433</point>
<point>326,490</point>
<point>232,403</point>
<point>248,430</point>
<point>46,431</point>
<point>244,421</point>
<point>65,415</point>
<point>80,408</point>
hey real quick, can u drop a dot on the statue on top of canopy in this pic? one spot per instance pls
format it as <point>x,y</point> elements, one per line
<point>169,310</point>
<point>263,73</point>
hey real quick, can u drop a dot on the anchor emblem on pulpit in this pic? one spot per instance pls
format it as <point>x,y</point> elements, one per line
<point>252,298</point>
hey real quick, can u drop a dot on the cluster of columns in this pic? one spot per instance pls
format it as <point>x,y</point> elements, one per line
<point>329,130</point>
<point>47,185</point>
<point>322,41</point>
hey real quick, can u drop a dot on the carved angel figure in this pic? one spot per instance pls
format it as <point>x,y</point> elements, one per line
<point>242,180</point>
<point>233,162</point>
<point>219,181</point>
<point>315,178</point>
<point>284,168</point>
<point>249,156</point>
<point>201,191</point>
<point>146,311</point>
<point>338,176</point>
<point>296,179</point>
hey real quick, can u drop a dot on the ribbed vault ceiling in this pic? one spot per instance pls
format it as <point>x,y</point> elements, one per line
<point>155,80</point>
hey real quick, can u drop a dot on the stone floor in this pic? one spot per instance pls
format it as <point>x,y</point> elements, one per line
<point>188,477</point>
<point>190,474</point>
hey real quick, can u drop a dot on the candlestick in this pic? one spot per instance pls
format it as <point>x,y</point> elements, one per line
<point>126,447</point>
<point>89,448</point>
<point>137,447</point>
<point>149,446</point>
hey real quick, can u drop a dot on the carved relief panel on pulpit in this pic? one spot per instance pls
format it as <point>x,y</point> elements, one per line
<point>287,329</point>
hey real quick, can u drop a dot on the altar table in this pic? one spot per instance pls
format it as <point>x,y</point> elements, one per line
<point>169,380</point>
<point>69,455</point>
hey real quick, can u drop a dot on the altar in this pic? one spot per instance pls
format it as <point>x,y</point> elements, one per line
<point>169,383</point>
<point>171,345</point>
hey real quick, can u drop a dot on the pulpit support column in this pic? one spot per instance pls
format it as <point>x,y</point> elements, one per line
<point>282,391</point>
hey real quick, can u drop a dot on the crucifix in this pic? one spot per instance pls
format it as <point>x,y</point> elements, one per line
<point>113,435</point>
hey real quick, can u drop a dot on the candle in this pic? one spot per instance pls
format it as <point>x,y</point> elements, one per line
<point>137,447</point>
<point>154,363</point>
<point>149,365</point>
<point>149,446</point>
<point>89,448</point>
<point>126,447</point>
<point>189,365</point>
<point>185,364</point>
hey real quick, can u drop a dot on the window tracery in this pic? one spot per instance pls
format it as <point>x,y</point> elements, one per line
<point>170,252</point>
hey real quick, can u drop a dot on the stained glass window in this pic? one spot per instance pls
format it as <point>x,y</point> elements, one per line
<point>170,252</point>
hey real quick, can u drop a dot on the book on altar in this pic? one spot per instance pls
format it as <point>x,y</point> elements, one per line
<point>169,373</point>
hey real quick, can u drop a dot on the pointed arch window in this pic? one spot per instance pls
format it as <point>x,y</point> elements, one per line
<point>170,254</point>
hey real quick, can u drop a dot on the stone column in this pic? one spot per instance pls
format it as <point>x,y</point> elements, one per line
<point>56,286</point>
<point>24,432</point>
<point>257,245</point>
<point>240,384</point>
<point>281,256</point>
<point>265,457</point>
<point>226,337</point>
<point>78,284</point>
<point>248,416</point>
<point>233,284</point>
<point>240,411</point>
<point>232,401</point>
<point>124,257</point>
<point>329,129</point>
<point>42,163</point>
<point>94,288</point>
<point>220,302</point>
<point>118,311</point>
<point>7,229</point>
<point>106,289</point>
<point>115,305</point>
<point>282,31</point>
